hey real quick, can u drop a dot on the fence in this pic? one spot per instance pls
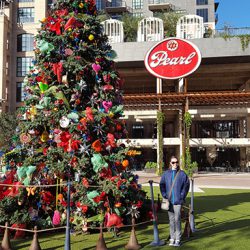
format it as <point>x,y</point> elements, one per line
<point>101,245</point>
<point>232,32</point>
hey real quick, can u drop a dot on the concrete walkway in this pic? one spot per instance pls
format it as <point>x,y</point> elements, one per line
<point>206,180</point>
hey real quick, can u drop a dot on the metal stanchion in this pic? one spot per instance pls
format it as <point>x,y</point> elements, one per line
<point>191,220</point>
<point>67,238</point>
<point>157,241</point>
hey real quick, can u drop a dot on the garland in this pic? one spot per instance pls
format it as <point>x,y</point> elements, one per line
<point>188,166</point>
<point>160,120</point>
<point>244,40</point>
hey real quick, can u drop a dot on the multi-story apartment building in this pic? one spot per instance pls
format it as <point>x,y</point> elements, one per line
<point>204,8</point>
<point>18,26</point>
<point>218,93</point>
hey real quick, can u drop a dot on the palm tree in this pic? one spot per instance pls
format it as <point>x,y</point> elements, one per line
<point>170,20</point>
<point>130,26</point>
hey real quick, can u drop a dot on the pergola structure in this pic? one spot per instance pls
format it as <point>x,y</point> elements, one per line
<point>151,101</point>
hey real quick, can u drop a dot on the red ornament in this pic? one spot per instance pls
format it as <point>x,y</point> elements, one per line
<point>114,220</point>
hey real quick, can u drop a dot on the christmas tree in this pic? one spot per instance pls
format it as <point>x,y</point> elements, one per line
<point>70,128</point>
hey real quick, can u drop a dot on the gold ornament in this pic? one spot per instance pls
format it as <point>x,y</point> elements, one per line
<point>44,20</point>
<point>81,5</point>
<point>33,110</point>
<point>91,37</point>
<point>44,136</point>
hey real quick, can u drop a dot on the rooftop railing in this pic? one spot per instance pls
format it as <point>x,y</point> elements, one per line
<point>232,32</point>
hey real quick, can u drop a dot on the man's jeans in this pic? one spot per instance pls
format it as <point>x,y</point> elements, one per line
<point>174,215</point>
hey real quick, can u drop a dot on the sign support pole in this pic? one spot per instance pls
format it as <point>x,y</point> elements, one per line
<point>159,141</point>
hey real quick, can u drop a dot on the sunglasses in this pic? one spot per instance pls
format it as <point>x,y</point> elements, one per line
<point>174,162</point>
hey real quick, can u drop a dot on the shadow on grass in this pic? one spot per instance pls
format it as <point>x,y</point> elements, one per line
<point>228,209</point>
<point>213,203</point>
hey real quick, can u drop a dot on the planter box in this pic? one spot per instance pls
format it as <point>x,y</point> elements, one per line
<point>150,170</point>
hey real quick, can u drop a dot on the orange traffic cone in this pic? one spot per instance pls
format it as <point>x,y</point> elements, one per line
<point>35,243</point>
<point>6,239</point>
<point>101,245</point>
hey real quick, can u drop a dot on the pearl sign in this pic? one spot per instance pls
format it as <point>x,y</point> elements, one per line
<point>173,58</point>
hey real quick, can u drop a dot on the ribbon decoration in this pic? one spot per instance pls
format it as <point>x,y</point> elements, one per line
<point>70,23</point>
<point>55,25</point>
<point>58,69</point>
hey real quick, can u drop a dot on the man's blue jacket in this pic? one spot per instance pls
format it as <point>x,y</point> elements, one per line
<point>180,188</point>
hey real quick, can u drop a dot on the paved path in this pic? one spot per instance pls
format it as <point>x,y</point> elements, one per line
<point>207,180</point>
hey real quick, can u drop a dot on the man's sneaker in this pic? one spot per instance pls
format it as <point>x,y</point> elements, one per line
<point>177,243</point>
<point>171,242</point>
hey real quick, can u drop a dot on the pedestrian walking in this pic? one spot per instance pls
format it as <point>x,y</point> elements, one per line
<point>174,186</point>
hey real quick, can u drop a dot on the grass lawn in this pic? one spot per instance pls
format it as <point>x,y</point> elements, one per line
<point>222,218</point>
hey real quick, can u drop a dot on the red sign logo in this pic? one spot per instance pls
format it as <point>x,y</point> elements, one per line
<point>173,58</point>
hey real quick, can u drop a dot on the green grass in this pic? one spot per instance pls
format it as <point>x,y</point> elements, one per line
<point>222,218</point>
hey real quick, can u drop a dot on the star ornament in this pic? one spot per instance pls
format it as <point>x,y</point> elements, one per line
<point>84,148</point>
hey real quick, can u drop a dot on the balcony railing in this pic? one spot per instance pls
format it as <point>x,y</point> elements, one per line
<point>157,5</point>
<point>118,6</point>
<point>118,3</point>
<point>157,1</point>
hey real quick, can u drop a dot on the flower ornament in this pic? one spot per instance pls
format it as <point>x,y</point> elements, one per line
<point>25,138</point>
<point>97,146</point>
<point>89,114</point>
<point>110,140</point>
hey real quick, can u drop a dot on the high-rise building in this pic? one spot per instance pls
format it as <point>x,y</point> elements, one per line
<point>19,21</point>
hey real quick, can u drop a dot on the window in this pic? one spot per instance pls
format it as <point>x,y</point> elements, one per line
<point>19,92</point>
<point>23,65</point>
<point>203,13</point>
<point>138,131</point>
<point>25,42</point>
<point>137,14</point>
<point>137,4</point>
<point>50,4</point>
<point>201,2</point>
<point>99,5</point>
<point>25,15</point>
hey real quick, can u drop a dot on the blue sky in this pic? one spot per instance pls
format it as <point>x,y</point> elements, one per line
<point>235,13</point>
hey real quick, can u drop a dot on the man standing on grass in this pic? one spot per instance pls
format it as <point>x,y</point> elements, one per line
<point>174,186</point>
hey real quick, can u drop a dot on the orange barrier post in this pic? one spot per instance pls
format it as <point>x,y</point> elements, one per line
<point>35,243</point>
<point>133,243</point>
<point>101,245</point>
<point>6,239</point>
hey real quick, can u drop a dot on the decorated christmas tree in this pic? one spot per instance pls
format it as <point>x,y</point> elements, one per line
<point>70,129</point>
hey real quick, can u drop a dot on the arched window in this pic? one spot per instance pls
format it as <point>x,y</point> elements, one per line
<point>150,29</point>
<point>114,30</point>
<point>190,27</point>
<point>25,42</point>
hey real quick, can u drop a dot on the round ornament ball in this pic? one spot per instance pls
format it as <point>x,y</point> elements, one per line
<point>64,122</point>
<point>91,37</point>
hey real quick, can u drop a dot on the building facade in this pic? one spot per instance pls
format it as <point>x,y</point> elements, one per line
<point>217,94</point>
